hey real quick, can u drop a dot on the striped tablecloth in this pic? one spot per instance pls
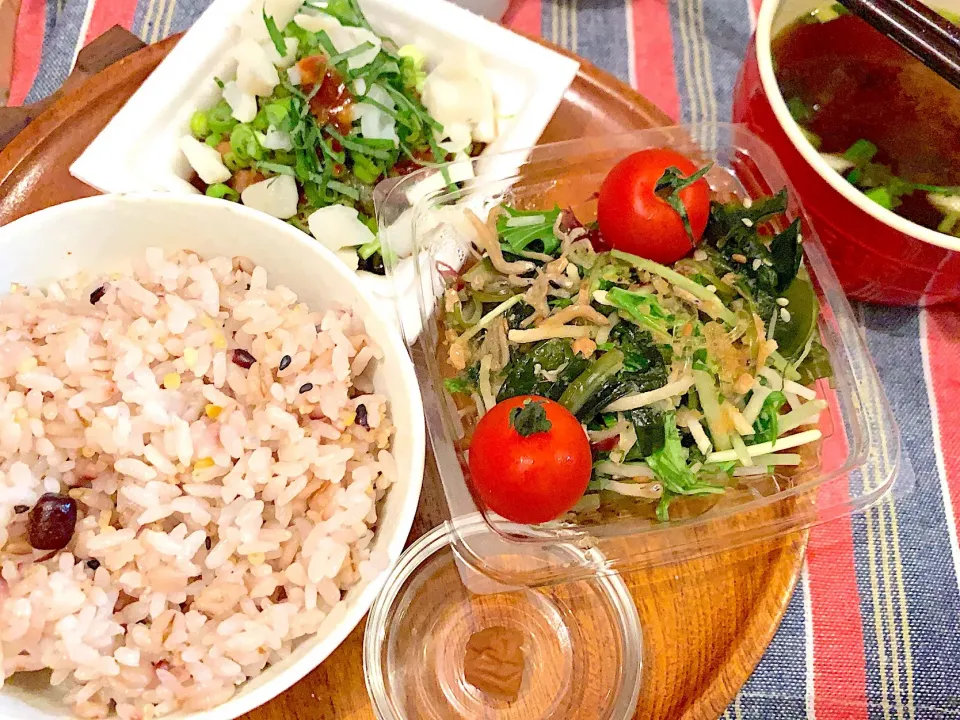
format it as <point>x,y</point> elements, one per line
<point>873,630</point>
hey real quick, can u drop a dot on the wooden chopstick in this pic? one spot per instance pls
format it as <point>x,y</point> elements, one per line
<point>922,32</point>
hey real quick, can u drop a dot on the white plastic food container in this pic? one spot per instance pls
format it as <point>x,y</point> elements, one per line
<point>105,233</point>
<point>139,149</point>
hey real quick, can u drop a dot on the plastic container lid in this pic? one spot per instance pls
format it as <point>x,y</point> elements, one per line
<point>440,648</point>
<point>859,456</point>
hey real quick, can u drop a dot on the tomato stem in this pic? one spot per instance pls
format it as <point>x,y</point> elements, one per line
<point>530,419</point>
<point>668,189</point>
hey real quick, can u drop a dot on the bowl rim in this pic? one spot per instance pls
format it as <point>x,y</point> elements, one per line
<point>391,343</point>
<point>762,39</point>
<point>611,585</point>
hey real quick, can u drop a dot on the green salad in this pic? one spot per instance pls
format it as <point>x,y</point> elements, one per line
<point>322,109</point>
<point>690,379</point>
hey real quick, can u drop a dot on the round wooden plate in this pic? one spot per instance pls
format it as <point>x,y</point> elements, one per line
<point>706,622</point>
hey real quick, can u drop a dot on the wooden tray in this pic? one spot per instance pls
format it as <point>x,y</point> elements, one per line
<point>705,622</point>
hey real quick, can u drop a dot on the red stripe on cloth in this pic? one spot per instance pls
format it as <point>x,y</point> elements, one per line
<point>943,340</point>
<point>106,14</point>
<point>27,48</point>
<point>653,55</point>
<point>839,665</point>
<point>525,16</point>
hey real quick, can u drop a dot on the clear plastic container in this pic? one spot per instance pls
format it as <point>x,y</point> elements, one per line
<point>580,642</point>
<point>860,452</point>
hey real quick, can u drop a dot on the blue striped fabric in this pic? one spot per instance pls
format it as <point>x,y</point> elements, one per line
<point>909,602</point>
<point>64,22</point>
<point>909,594</point>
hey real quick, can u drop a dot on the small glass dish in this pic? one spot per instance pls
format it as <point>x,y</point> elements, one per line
<point>859,456</point>
<point>580,642</point>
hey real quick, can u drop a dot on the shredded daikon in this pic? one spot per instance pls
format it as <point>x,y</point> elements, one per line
<point>632,402</point>
<point>765,448</point>
<point>548,333</point>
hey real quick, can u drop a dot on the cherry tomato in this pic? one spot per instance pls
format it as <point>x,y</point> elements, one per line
<point>637,218</point>
<point>530,459</point>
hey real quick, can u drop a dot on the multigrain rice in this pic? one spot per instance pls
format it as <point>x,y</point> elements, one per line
<point>223,513</point>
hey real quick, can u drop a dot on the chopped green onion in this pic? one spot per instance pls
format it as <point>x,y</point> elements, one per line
<point>367,250</point>
<point>244,143</point>
<point>280,113</point>
<point>881,196</point>
<point>199,126</point>
<point>949,223</point>
<point>234,163</point>
<point>220,118</point>
<point>861,152</point>
<point>365,169</point>
<point>811,137</point>
<point>799,110</point>
<point>222,192</point>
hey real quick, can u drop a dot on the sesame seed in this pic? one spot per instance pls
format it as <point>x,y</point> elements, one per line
<point>784,314</point>
<point>757,264</point>
<point>208,542</point>
<point>93,563</point>
<point>285,362</point>
<point>748,203</point>
<point>748,222</point>
<point>699,255</point>
<point>782,302</point>
<point>97,295</point>
<point>712,288</point>
<point>306,387</point>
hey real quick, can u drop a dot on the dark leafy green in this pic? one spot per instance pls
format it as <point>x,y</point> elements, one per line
<point>733,231</point>
<point>648,423</point>
<point>786,255</point>
<point>816,365</point>
<point>522,378</point>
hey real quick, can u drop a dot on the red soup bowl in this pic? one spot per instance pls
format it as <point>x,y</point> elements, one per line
<point>879,256</point>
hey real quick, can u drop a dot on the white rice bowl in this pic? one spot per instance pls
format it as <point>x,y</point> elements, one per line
<point>107,408</point>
